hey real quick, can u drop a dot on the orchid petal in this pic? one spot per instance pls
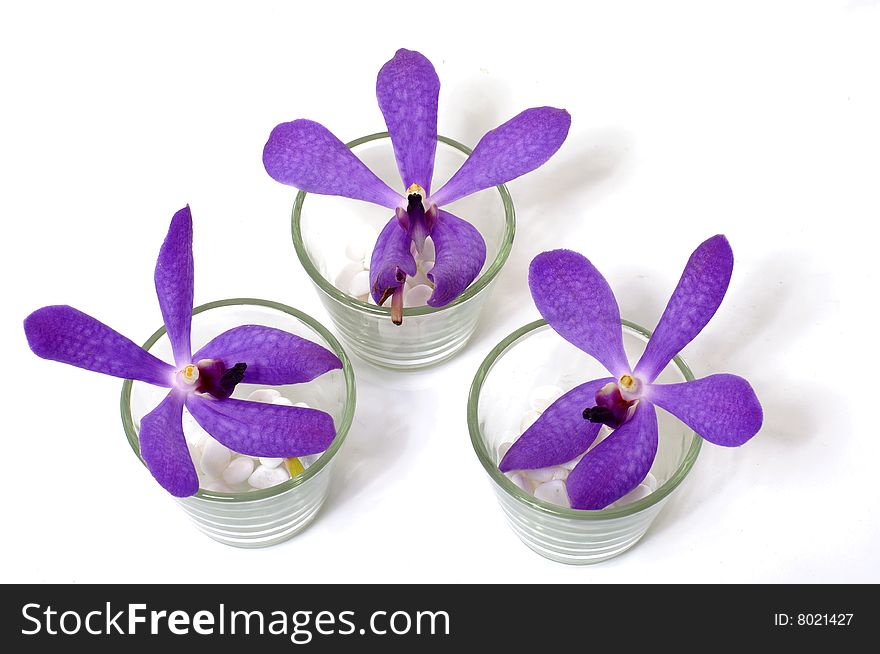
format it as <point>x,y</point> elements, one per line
<point>515,148</point>
<point>274,357</point>
<point>616,465</point>
<point>577,302</point>
<point>390,260</point>
<point>174,284</point>
<point>407,89</point>
<point>62,333</point>
<point>460,252</point>
<point>560,434</point>
<point>306,155</point>
<point>722,409</point>
<point>693,303</point>
<point>163,447</point>
<point>258,429</point>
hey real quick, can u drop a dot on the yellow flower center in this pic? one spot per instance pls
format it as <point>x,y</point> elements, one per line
<point>630,387</point>
<point>415,188</point>
<point>190,374</point>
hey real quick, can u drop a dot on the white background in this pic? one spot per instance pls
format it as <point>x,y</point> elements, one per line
<point>758,120</point>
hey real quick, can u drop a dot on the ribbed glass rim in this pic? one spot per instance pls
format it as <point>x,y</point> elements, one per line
<point>312,470</point>
<point>481,282</point>
<point>515,491</point>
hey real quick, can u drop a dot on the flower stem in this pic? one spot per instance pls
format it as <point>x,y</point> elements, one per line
<point>397,305</point>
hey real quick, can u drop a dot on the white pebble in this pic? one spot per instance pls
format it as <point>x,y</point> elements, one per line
<point>238,470</point>
<point>520,481</point>
<point>428,252</point>
<point>343,279</point>
<point>265,477</point>
<point>199,437</point>
<point>528,419</point>
<point>417,296</point>
<point>308,459</point>
<point>553,492</point>
<point>283,401</point>
<point>650,481</point>
<point>355,250</point>
<point>193,431</point>
<point>360,245</point>
<point>541,475</point>
<point>216,486</point>
<point>569,379</point>
<point>634,495</point>
<point>502,450</point>
<point>215,458</point>
<point>360,284</point>
<point>570,465</point>
<point>270,462</point>
<point>421,276</point>
<point>302,405</point>
<point>604,433</point>
<point>264,395</point>
<point>195,452</point>
<point>543,396</point>
<point>561,472</point>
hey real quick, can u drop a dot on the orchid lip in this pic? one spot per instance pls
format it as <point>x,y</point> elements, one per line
<point>609,418</point>
<point>599,414</point>
<point>615,402</point>
<point>415,219</point>
<point>210,378</point>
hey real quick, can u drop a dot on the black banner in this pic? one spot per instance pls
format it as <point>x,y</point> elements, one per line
<point>530,618</point>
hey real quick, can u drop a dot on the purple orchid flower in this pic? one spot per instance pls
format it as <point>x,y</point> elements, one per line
<point>577,302</point>
<point>306,155</point>
<point>202,382</point>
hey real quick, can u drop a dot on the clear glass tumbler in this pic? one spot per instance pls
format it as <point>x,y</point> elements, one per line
<point>533,356</point>
<point>321,225</point>
<point>256,518</point>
